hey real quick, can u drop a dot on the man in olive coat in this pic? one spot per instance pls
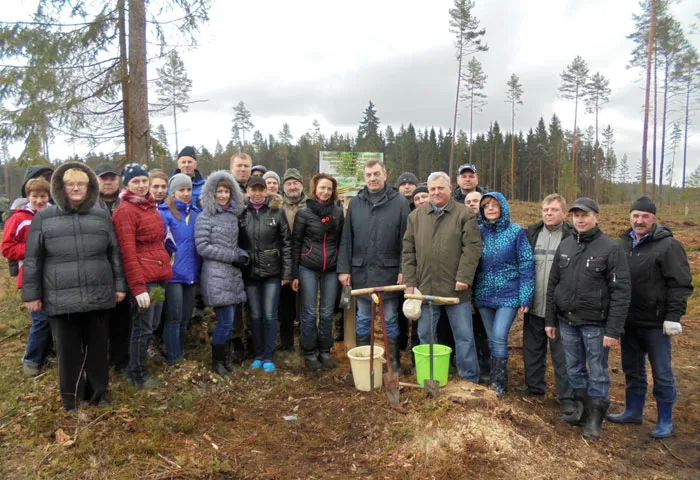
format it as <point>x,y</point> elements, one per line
<point>441,251</point>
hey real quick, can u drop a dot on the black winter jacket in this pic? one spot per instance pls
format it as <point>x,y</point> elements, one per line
<point>589,283</point>
<point>372,239</point>
<point>73,263</point>
<point>661,279</point>
<point>265,235</point>
<point>312,247</point>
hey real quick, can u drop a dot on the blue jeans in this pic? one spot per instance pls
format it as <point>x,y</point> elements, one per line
<point>141,330</point>
<point>224,324</point>
<point>637,343</point>
<point>263,300</point>
<point>497,323</point>
<point>364,314</point>
<point>39,341</point>
<point>460,317</point>
<point>585,344</point>
<point>309,283</point>
<point>179,304</point>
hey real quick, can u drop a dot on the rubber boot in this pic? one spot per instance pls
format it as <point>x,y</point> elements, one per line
<point>576,417</point>
<point>218,355</point>
<point>634,410</point>
<point>238,351</point>
<point>228,364</point>
<point>311,360</point>
<point>362,340</point>
<point>664,420</point>
<point>499,375</point>
<point>595,413</point>
<point>395,352</point>
<point>325,357</point>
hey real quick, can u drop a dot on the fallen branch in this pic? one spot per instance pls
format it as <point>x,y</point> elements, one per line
<point>673,454</point>
<point>170,462</point>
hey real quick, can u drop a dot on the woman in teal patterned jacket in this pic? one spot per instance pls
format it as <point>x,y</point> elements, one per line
<point>505,280</point>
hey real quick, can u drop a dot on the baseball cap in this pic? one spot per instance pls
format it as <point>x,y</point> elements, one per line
<point>104,168</point>
<point>586,204</point>
<point>467,166</point>
<point>254,180</point>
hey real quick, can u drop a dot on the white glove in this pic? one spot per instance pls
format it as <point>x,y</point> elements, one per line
<point>144,300</point>
<point>672,328</point>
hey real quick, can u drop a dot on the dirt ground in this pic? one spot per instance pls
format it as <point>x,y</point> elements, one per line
<point>300,425</point>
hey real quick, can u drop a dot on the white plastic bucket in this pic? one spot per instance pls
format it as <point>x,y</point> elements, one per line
<point>359,362</point>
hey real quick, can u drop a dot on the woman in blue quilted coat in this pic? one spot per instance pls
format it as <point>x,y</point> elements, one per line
<point>505,280</point>
<point>221,282</point>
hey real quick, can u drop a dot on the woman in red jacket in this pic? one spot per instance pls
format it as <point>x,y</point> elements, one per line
<point>14,243</point>
<point>141,235</point>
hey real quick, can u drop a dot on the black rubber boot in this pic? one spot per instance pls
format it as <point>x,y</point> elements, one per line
<point>218,355</point>
<point>311,360</point>
<point>395,353</point>
<point>238,351</point>
<point>595,413</point>
<point>362,340</point>
<point>228,364</point>
<point>576,417</point>
<point>326,361</point>
<point>499,375</point>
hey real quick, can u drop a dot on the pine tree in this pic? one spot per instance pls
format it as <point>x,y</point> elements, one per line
<point>597,93</point>
<point>687,72</point>
<point>285,141</point>
<point>241,124</point>
<point>474,84</point>
<point>369,138</point>
<point>676,136</point>
<point>173,87</point>
<point>514,96</point>
<point>573,85</point>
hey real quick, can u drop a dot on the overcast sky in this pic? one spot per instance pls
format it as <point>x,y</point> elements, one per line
<point>317,59</point>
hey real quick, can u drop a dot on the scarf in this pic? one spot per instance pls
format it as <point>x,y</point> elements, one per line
<point>323,211</point>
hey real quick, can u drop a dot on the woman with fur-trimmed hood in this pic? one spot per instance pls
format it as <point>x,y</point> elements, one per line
<point>216,239</point>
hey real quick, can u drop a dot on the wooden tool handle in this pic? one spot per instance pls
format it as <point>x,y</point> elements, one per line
<point>437,300</point>
<point>388,288</point>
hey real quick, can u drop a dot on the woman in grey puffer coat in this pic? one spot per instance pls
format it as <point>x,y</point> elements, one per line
<point>216,239</point>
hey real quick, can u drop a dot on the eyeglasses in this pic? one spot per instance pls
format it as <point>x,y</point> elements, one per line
<point>73,186</point>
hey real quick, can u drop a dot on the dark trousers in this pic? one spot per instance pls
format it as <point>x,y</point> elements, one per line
<point>535,342</point>
<point>638,343</point>
<point>287,315</point>
<point>481,340</point>
<point>119,334</point>
<point>81,346</point>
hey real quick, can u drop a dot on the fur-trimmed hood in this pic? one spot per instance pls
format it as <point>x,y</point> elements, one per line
<point>58,192</point>
<point>208,196</point>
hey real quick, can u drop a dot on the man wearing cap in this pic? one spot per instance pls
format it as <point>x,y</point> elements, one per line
<point>588,295</point>
<point>187,164</point>
<point>293,199</point>
<point>258,171</point>
<point>467,182</point>
<point>661,285</point>
<point>370,250</point>
<point>108,178</point>
<point>420,196</point>
<point>544,237</point>
<point>441,251</point>
<point>407,183</point>
<point>241,165</point>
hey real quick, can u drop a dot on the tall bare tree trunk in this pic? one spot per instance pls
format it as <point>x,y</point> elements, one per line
<point>512,155</point>
<point>574,153</point>
<point>653,154</point>
<point>685,139</point>
<point>454,121</point>
<point>177,148</point>
<point>124,74</point>
<point>597,159</point>
<point>138,89</point>
<point>471,125</point>
<point>645,135</point>
<point>663,130</point>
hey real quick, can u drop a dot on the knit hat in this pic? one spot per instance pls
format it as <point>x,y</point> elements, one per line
<point>644,204</point>
<point>421,188</point>
<point>259,168</point>
<point>585,204</point>
<point>272,174</point>
<point>187,152</point>
<point>407,177</point>
<point>178,181</point>
<point>132,170</point>
<point>292,173</point>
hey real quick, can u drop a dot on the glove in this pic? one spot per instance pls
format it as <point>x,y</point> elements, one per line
<point>143,300</point>
<point>243,260</point>
<point>672,328</point>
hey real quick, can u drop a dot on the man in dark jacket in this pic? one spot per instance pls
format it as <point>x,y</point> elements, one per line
<point>187,164</point>
<point>407,183</point>
<point>370,250</point>
<point>108,177</point>
<point>661,285</point>
<point>439,262</point>
<point>545,236</point>
<point>467,182</point>
<point>587,299</point>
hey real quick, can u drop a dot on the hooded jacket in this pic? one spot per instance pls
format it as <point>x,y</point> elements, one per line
<point>216,239</point>
<point>370,249</point>
<point>265,235</point>
<point>141,236</point>
<point>14,237</point>
<point>185,260</point>
<point>589,283</point>
<point>312,246</point>
<point>72,262</point>
<point>197,184</point>
<point>661,279</point>
<point>506,274</point>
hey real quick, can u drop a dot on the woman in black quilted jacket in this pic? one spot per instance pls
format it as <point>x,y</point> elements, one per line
<point>317,231</point>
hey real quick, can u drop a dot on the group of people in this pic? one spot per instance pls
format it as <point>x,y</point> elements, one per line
<point>97,264</point>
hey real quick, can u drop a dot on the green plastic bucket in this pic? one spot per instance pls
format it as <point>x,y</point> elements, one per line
<point>441,363</point>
